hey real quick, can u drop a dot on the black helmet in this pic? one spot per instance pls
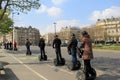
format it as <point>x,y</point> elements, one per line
<point>56,35</point>
<point>73,34</point>
<point>84,33</point>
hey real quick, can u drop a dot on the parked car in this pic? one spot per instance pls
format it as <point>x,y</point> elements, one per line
<point>64,45</point>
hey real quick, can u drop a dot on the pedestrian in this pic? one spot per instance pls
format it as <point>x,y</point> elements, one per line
<point>87,52</point>
<point>72,45</point>
<point>42,48</point>
<point>57,46</point>
<point>28,44</point>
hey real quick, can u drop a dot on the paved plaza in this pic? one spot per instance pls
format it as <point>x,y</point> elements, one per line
<point>22,67</point>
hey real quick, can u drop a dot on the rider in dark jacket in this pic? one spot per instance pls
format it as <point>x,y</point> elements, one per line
<point>73,48</point>
<point>42,47</point>
<point>28,44</point>
<point>57,46</point>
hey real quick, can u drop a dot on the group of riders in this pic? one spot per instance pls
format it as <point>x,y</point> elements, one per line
<point>10,46</point>
<point>84,46</point>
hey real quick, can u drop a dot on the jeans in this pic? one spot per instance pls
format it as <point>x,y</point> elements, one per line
<point>28,50</point>
<point>74,56</point>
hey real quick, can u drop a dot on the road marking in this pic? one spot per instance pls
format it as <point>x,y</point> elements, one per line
<point>28,57</point>
<point>29,68</point>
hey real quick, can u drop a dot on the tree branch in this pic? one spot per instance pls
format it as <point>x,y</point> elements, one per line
<point>4,10</point>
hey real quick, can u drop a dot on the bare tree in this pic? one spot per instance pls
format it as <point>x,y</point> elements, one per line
<point>23,6</point>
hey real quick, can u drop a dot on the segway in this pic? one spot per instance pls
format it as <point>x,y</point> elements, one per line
<point>29,53</point>
<point>42,58</point>
<point>59,63</point>
<point>15,49</point>
<point>81,74</point>
<point>71,66</point>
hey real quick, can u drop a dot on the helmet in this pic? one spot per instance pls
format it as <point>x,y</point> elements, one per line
<point>56,36</point>
<point>73,34</point>
<point>84,33</point>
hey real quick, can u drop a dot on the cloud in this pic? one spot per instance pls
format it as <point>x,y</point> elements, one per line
<point>107,13</point>
<point>63,23</point>
<point>42,9</point>
<point>58,2</point>
<point>54,12</point>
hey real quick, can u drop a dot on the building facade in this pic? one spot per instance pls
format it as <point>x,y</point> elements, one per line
<point>108,29</point>
<point>21,34</point>
<point>49,37</point>
<point>64,34</point>
<point>8,37</point>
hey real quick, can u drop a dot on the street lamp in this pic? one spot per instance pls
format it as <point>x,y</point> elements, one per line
<point>55,27</point>
<point>13,25</point>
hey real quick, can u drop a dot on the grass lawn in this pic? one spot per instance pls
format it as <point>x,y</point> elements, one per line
<point>110,47</point>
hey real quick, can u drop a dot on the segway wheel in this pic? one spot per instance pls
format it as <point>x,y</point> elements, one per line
<point>92,76</point>
<point>78,65</point>
<point>15,49</point>
<point>45,57</point>
<point>39,58</point>
<point>55,62</point>
<point>80,75</point>
<point>63,61</point>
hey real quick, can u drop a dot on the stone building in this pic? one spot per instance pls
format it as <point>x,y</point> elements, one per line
<point>21,34</point>
<point>49,38</point>
<point>108,30</point>
<point>64,34</point>
<point>8,37</point>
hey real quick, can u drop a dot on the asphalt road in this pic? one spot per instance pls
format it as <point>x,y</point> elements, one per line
<point>22,67</point>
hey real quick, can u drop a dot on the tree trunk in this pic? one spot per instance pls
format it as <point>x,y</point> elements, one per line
<point>4,10</point>
<point>0,4</point>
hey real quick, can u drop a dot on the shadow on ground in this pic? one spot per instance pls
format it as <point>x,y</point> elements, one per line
<point>110,66</point>
<point>9,75</point>
<point>108,77</point>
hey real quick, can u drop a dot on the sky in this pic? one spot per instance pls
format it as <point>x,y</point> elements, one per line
<point>79,13</point>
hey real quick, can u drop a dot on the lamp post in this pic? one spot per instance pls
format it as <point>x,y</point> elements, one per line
<point>13,25</point>
<point>55,27</point>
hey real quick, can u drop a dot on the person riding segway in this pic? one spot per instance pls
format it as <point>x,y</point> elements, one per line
<point>88,73</point>
<point>57,45</point>
<point>28,44</point>
<point>15,46</point>
<point>41,45</point>
<point>72,50</point>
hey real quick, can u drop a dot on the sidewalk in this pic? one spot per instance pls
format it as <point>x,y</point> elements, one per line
<point>102,74</point>
<point>8,73</point>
